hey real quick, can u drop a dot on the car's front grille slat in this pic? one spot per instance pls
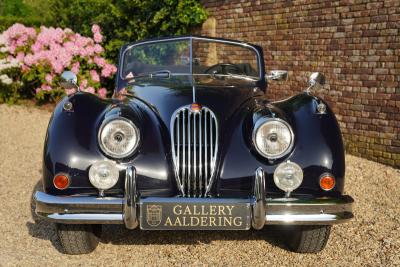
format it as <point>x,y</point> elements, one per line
<point>194,136</point>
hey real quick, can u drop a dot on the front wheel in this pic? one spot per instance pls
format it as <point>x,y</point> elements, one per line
<point>78,238</point>
<point>308,238</point>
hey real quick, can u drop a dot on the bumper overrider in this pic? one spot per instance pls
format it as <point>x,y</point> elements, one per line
<point>177,213</point>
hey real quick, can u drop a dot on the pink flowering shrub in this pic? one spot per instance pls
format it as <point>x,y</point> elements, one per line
<point>43,54</point>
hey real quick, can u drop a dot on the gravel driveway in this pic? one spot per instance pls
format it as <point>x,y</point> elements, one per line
<point>372,238</point>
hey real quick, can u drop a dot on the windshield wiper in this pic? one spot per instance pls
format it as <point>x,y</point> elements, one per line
<point>156,74</point>
<point>235,76</point>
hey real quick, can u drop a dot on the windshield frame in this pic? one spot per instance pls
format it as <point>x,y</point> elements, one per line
<point>190,39</point>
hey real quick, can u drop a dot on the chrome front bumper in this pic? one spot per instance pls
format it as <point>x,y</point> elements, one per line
<point>106,210</point>
<point>113,210</point>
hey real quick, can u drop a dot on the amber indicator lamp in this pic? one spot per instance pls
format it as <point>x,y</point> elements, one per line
<point>61,181</point>
<point>327,182</point>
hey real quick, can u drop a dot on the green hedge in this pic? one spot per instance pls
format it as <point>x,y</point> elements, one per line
<point>125,21</point>
<point>7,21</point>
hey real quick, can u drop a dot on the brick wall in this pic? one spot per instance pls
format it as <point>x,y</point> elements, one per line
<point>355,43</point>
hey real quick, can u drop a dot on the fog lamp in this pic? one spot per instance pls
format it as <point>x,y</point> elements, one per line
<point>103,174</point>
<point>288,176</point>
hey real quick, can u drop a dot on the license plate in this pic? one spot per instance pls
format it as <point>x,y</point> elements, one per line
<point>194,214</point>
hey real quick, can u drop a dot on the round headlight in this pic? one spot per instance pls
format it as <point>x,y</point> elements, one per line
<point>288,176</point>
<point>118,138</point>
<point>103,174</point>
<point>273,137</point>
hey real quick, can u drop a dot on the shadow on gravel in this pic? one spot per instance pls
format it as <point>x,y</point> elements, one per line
<point>119,235</point>
<point>40,228</point>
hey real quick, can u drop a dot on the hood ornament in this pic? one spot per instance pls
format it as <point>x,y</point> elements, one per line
<point>195,107</point>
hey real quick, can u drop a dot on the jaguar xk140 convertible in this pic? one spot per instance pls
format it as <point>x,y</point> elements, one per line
<point>189,142</point>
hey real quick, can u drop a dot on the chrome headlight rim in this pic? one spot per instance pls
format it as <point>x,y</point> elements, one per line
<point>105,150</point>
<point>260,122</point>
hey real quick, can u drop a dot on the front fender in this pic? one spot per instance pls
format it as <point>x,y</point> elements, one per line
<point>71,146</point>
<point>318,148</point>
<point>71,142</point>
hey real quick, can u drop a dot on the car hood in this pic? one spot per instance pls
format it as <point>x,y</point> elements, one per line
<point>222,96</point>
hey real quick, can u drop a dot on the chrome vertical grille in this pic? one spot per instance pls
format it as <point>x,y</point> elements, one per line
<point>194,136</point>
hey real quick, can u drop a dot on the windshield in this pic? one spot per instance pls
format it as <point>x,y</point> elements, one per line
<point>191,56</point>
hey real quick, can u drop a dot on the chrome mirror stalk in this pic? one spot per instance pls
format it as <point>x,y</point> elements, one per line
<point>317,79</point>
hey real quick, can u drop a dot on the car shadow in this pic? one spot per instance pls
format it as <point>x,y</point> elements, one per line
<point>40,228</point>
<point>119,235</point>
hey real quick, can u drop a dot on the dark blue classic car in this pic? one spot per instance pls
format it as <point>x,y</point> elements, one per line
<point>189,142</point>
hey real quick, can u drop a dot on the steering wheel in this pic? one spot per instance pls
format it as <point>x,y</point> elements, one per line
<point>224,69</point>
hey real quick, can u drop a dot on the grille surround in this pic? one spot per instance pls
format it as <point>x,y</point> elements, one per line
<point>194,142</point>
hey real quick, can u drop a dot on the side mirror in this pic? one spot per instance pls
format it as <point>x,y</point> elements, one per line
<point>69,80</point>
<point>277,75</point>
<point>316,79</point>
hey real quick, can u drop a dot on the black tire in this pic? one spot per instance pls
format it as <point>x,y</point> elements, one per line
<point>78,238</point>
<point>308,238</point>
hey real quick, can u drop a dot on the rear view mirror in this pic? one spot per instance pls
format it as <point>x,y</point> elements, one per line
<point>316,78</point>
<point>277,75</point>
<point>69,80</point>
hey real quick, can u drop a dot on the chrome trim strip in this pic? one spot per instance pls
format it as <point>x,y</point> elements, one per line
<point>130,196</point>
<point>189,154</point>
<point>308,219</point>
<point>309,211</point>
<point>84,218</point>
<point>213,149</point>
<point>79,209</point>
<point>200,157</point>
<point>183,159</point>
<point>258,209</point>
<point>46,203</point>
<point>194,156</point>
<point>206,165</point>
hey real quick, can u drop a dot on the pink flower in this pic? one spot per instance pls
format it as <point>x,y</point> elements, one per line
<point>98,49</point>
<point>12,48</point>
<point>95,28</point>
<point>48,51</point>
<point>36,47</point>
<point>75,67</point>
<point>102,92</point>
<point>98,37</point>
<point>99,61</point>
<point>95,76</point>
<point>88,51</point>
<point>57,67</point>
<point>108,70</point>
<point>45,87</point>
<point>68,31</point>
<point>20,56</point>
<point>83,84</point>
<point>96,33</point>
<point>49,78</point>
